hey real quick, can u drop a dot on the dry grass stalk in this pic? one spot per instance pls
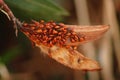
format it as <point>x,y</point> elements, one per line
<point>109,17</point>
<point>106,58</point>
<point>4,74</point>
<point>83,19</point>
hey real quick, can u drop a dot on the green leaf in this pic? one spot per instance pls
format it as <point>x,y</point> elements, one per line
<point>37,9</point>
<point>10,54</point>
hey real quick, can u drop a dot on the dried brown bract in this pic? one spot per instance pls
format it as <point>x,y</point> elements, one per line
<point>60,41</point>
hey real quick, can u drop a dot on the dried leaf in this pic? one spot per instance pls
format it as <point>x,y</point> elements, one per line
<point>89,33</point>
<point>70,58</point>
<point>37,33</point>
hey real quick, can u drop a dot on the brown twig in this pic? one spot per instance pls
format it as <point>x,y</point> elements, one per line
<point>6,10</point>
<point>83,19</point>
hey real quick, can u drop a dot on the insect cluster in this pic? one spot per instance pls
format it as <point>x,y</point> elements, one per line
<point>59,41</point>
<point>50,33</point>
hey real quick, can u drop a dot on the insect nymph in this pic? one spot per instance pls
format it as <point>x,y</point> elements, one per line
<point>59,41</point>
